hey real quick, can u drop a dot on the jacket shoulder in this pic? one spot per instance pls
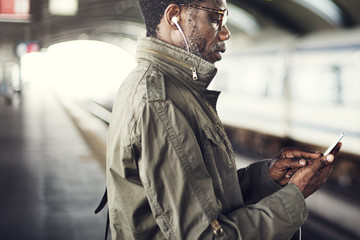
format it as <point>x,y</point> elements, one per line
<point>155,85</point>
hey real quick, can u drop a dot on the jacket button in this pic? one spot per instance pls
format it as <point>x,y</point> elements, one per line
<point>218,230</point>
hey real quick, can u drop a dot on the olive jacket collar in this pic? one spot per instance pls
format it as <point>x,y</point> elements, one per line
<point>163,53</point>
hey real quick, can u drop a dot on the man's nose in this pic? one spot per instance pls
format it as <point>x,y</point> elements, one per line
<point>224,33</point>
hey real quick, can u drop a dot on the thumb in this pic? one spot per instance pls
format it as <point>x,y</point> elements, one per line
<point>323,161</point>
<point>329,158</point>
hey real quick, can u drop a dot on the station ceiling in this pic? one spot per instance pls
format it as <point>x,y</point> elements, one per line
<point>303,16</point>
<point>294,16</point>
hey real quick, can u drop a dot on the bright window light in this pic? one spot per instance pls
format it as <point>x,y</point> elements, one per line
<point>80,69</point>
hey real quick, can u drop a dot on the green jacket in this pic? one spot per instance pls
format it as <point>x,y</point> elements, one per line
<point>171,170</point>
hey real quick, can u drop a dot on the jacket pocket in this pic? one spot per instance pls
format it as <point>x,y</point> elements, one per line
<point>220,163</point>
<point>220,144</point>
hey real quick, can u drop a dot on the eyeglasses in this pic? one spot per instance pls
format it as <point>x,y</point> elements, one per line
<point>223,14</point>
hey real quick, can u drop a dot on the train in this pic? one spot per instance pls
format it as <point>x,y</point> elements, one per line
<point>306,89</point>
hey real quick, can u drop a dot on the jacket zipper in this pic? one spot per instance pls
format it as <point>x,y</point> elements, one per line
<point>192,68</point>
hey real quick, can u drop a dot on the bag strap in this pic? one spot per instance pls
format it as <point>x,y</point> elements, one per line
<point>100,207</point>
<point>102,202</point>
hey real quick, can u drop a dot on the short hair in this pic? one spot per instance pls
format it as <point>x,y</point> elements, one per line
<point>153,10</point>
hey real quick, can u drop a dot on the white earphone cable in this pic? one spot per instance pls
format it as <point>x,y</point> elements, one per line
<point>193,69</point>
<point>174,19</point>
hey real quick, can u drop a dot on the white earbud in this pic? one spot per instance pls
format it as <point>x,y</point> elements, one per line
<point>174,19</point>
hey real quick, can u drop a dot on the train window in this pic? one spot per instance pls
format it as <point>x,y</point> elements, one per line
<point>255,75</point>
<point>316,85</point>
<point>334,73</point>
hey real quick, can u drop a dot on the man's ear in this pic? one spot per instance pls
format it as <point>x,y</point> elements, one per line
<point>172,11</point>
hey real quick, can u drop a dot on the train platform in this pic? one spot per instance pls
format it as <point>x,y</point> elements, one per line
<point>50,179</point>
<point>52,154</point>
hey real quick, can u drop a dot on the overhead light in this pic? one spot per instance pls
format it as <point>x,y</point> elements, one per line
<point>63,7</point>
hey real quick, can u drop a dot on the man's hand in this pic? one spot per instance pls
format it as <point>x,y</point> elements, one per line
<point>284,165</point>
<point>310,178</point>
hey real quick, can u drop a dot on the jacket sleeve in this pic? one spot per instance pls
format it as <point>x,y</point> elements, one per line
<point>181,194</point>
<point>255,182</point>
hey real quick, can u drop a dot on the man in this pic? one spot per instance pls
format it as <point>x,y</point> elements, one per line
<point>171,171</point>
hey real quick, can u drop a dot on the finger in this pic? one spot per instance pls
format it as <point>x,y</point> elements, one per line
<point>290,173</point>
<point>336,148</point>
<point>310,161</point>
<point>322,162</point>
<point>299,153</point>
<point>291,163</point>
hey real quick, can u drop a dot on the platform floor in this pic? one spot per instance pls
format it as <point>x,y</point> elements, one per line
<point>50,183</point>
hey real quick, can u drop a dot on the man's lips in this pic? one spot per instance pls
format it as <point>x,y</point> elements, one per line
<point>219,47</point>
<point>222,50</point>
<point>217,56</point>
<point>217,50</point>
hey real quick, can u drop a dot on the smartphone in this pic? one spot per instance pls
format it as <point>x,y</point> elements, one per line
<point>334,144</point>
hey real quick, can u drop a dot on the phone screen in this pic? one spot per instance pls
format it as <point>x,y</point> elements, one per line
<point>334,144</point>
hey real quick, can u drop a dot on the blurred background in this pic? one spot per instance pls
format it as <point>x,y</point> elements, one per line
<point>290,77</point>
